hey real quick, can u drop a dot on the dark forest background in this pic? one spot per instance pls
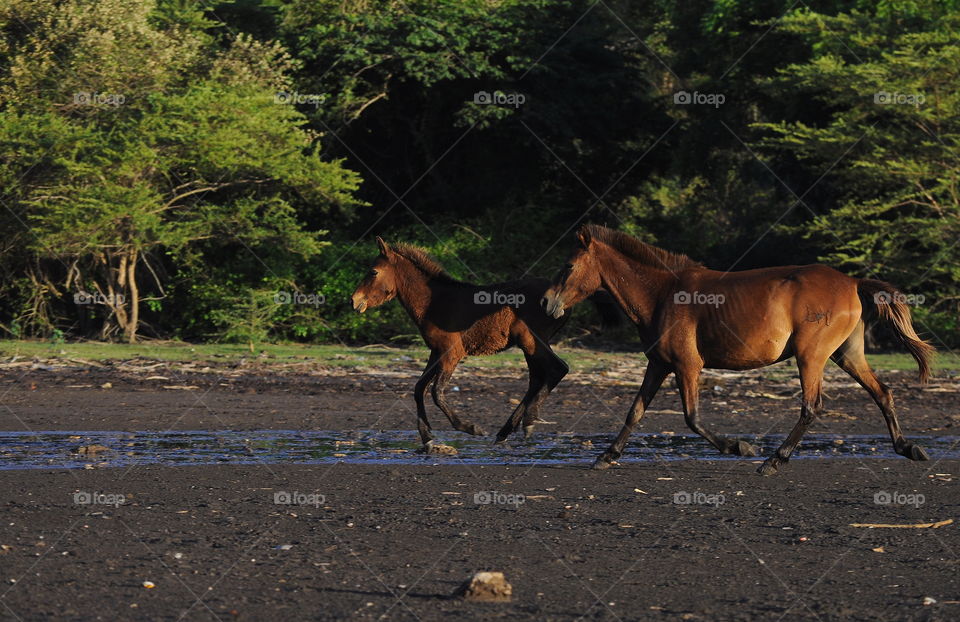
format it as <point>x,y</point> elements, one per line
<point>175,169</point>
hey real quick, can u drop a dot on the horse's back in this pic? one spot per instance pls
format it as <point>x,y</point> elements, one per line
<point>752,318</point>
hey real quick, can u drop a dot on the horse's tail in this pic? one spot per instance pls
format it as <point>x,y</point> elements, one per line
<point>891,306</point>
<point>607,307</point>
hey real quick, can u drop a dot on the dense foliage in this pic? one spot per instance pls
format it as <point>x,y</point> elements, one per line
<point>175,169</point>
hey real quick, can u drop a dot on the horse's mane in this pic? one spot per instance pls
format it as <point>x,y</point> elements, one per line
<point>644,253</point>
<point>423,262</point>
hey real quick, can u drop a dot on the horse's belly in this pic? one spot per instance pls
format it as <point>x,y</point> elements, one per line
<point>750,354</point>
<point>486,337</point>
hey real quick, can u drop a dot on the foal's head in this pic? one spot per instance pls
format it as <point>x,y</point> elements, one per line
<point>577,280</point>
<point>380,284</point>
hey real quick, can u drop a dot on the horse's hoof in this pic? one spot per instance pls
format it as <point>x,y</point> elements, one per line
<point>438,450</point>
<point>602,464</point>
<point>916,452</point>
<point>747,450</point>
<point>527,432</point>
<point>767,469</point>
<point>500,440</point>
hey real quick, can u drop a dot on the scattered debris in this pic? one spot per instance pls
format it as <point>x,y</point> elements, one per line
<point>91,449</point>
<point>935,525</point>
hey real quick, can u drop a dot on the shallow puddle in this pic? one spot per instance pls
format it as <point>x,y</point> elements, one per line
<point>47,450</point>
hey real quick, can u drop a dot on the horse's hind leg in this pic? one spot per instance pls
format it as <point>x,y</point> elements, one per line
<point>851,359</point>
<point>448,363</point>
<point>546,371</point>
<point>811,384</point>
<point>537,382</point>
<point>553,369</point>
<point>688,380</point>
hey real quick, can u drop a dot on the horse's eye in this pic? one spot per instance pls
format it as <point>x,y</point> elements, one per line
<point>569,267</point>
<point>373,273</point>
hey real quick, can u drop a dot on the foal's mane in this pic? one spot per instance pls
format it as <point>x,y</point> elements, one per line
<point>423,262</point>
<point>646,254</point>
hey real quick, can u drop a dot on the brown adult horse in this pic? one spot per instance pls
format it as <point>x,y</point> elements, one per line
<point>691,318</point>
<point>458,319</point>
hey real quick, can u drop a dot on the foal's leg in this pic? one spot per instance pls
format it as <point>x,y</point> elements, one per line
<point>554,371</point>
<point>811,384</point>
<point>851,359</point>
<point>689,379</point>
<point>537,382</point>
<point>423,426</point>
<point>448,363</point>
<point>652,380</point>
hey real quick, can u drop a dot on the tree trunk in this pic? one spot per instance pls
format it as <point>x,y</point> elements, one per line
<point>131,328</point>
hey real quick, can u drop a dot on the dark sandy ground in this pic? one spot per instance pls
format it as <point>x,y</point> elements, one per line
<point>393,542</point>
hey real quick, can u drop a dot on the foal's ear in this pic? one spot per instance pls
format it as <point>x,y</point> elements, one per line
<point>384,249</point>
<point>584,236</point>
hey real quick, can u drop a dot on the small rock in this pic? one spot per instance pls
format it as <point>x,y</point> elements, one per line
<point>106,385</point>
<point>927,600</point>
<point>486,587</point>
<point>149,585</point>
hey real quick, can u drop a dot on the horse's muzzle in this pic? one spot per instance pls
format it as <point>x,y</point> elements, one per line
<point>359,305</point>
<point>552,305</point>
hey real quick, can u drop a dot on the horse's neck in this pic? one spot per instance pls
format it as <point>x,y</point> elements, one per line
<point>636,287</point>
<point>414,292</point>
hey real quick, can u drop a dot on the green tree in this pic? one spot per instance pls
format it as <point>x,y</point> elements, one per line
<point>146,141</point>
<point>891,80</point>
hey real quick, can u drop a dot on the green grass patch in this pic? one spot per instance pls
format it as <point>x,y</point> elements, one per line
<point>379,356</point>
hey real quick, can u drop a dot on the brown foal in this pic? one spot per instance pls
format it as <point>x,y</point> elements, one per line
<point>691,318</point>
<point>458,319</point>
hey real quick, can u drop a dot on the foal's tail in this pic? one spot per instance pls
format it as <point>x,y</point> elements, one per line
<point>607,307</point>
<point>892,307</point>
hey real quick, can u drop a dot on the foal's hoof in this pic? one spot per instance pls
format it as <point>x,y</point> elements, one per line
<point>473,428</point>
<point>437,449</point>
<point>916,452</point>
<point>743,448</point>
<point>768,468</point>
<point>527,432</point>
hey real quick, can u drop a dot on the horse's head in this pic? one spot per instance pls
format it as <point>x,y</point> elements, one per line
<point>577,280</point>
<point>380,283</point>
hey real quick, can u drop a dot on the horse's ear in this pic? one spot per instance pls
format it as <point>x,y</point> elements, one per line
<point>584,236</point>
<point>384,249</point>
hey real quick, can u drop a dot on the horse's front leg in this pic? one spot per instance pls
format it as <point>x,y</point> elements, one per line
<point>688,378</point>
<point>652,381</point>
